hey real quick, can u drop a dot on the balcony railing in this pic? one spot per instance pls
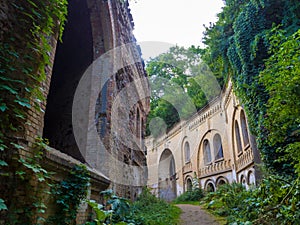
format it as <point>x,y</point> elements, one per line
<point>245,159</point>
<point>187,168</point>
<point>215,168</point>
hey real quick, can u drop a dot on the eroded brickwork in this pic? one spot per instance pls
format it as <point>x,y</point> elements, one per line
<point>94,28</point>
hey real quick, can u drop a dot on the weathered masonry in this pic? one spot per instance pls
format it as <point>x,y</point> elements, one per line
<point>96,31</point>
<point>214,146</point>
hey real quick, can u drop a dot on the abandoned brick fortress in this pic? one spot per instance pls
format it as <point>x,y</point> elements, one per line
<point>93,29</point>
<point>106,131</point>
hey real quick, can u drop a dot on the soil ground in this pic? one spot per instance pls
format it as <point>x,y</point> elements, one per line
<point>194,215</point>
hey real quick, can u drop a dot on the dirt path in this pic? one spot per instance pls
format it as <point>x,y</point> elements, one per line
<point>194,215</point>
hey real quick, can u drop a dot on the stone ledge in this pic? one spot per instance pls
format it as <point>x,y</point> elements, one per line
<point>64,162</point>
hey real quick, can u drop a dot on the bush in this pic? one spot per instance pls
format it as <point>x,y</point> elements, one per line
<point>194,195</point>
<point>149,210</point>
<point>274,201</point>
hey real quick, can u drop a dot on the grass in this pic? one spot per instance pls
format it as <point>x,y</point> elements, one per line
<point>149,210</point>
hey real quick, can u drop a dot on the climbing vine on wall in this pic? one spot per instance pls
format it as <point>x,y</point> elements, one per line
<point>238,45</point>
<point>68,195</point>
<point>260,40</point>
<point>28,26</point>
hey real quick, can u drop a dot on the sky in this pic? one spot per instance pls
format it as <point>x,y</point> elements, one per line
<point>171,22</point>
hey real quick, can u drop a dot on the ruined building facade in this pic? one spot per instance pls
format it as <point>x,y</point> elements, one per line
<point>211,148</point>
<point>86,98</point>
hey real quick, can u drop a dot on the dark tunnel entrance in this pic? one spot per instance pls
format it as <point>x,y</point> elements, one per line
<point>72,58</point>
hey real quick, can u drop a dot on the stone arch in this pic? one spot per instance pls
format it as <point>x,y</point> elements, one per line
<point>188,183</point>
<point>244,128</point>
<point>221,180</point>
<point>243,180</point>
<point>72,57</point>
<point>218,148</point>
<point>210,186</point>
<point>251,178</point>
<point>167,176</point>
<point>206,146</point>
<point>88,34</point>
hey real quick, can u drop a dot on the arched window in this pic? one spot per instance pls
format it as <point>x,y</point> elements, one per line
<point>251,178</point>
<point>218,149</point>
<point>243,181</point>
<point>244,129</point>
<point>187,152</point>
<point>206,151</point>
<point>189,185</point>
<point>238,137</point>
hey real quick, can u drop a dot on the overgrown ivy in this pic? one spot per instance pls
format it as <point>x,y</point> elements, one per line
<point>261,44</point>
<point>275,201</point>
<point>30,207</point>
<point>68,195</point>
<point>238,46</point>
<point>25,48</point>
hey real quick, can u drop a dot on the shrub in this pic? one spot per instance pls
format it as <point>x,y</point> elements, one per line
<point>275,201</point>
<point>116,210</point>
<point>149,210</point>
<point>194,195</point>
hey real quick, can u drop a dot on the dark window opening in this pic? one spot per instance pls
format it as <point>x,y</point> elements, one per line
<point>244,129</point>
<point>72,58</point>
<point>238,137</point>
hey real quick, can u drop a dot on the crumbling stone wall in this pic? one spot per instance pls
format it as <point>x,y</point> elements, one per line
<point>93,29</point>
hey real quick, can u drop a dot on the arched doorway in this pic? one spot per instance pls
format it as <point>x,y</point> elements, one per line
<point>210,187</point>
<point>167,176</point>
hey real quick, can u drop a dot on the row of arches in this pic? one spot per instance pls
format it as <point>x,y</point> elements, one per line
<point>246,179</point>
<point>217,152</point>
<point>210,184</point>
<point>209,155</point>
<point>213,153</point>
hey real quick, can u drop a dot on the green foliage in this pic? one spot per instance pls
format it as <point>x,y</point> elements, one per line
<point>181,84</point>
<point>194,195</point>
<point>68,195</point>
<point>237,45</point>
<point>257,43</point>
<point>2,205</point>
<point>281,77</point>
<point>275,200</point>
<point>24,55</point>
<point>35,180</point>
<point>149,210</point>
<point>116,210</point>
<point>31,166</point>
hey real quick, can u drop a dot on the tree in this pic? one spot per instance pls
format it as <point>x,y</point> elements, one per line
<point>181,84</point>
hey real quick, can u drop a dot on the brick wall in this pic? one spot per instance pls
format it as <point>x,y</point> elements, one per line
<point>110,26</point>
